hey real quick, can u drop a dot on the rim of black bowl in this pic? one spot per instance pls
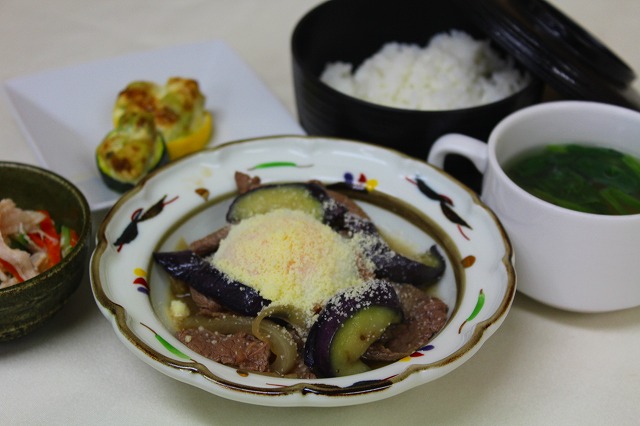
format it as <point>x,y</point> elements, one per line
<point>557,49</point>
<point>83,235</point>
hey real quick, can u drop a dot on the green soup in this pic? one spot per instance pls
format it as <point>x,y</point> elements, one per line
<point>583,178</point>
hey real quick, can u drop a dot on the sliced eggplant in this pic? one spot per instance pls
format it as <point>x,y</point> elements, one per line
<point>400,269</point>
<point>195,271</point>
<point>349,323</point>
<point>391,265</point>
<point>310,198</point>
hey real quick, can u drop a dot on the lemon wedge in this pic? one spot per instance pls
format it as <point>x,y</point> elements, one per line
<point>191,142</point>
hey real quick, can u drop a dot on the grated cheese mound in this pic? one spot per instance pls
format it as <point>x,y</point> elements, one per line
<point>290,258</point>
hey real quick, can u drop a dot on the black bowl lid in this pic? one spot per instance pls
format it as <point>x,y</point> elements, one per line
<point>555,48</point>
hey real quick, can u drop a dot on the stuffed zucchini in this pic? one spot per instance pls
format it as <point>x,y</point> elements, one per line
<point>130,151</point>
<point>177,109</point>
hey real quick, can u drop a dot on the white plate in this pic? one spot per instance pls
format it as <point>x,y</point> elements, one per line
<point>65,113</point>
<point>183,200</point>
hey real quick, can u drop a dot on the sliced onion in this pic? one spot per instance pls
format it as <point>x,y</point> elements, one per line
<point>227,324</point>
<point>277,337</point>
<point>287,313</point>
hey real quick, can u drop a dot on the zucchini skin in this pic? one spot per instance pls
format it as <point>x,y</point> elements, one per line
<point>123,185</point>
<point>130,151</point>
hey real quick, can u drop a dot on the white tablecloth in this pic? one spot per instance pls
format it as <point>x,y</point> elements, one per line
<point>543,366</point>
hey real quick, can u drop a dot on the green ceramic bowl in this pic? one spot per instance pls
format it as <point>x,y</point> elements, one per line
<point>28,305</point>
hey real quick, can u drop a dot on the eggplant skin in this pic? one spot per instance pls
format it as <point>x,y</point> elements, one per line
<point>400,269</point>
<point>391,265</point>
<point>321,346</point>
<point>308,197</point>
<point>195,271</point>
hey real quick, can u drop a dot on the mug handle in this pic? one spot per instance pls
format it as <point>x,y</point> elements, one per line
<point>463,145</point>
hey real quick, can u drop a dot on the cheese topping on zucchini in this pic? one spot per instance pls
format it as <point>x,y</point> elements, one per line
<point>130,151</point>
<point>177,108</point>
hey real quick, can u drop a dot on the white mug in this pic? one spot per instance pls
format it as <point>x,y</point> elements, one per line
<point>567,259</point>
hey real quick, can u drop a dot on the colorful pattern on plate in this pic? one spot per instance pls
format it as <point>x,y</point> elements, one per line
<point>271,164</point>
<point>476,310</point>
<point>420,352</point>
<point>141,281</point>
<point>417,354</point>
<point>468,261</point>
<point>140,215</point>
<point>446,204</point>
<point>167,345</point>
<point>351,169</point>
<point>362,182</point>
<point>203,193</point>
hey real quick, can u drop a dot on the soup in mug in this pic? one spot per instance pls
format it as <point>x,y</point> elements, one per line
<point>579,177</point>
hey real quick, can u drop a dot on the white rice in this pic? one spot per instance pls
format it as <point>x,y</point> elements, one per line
<point>453,71</point>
